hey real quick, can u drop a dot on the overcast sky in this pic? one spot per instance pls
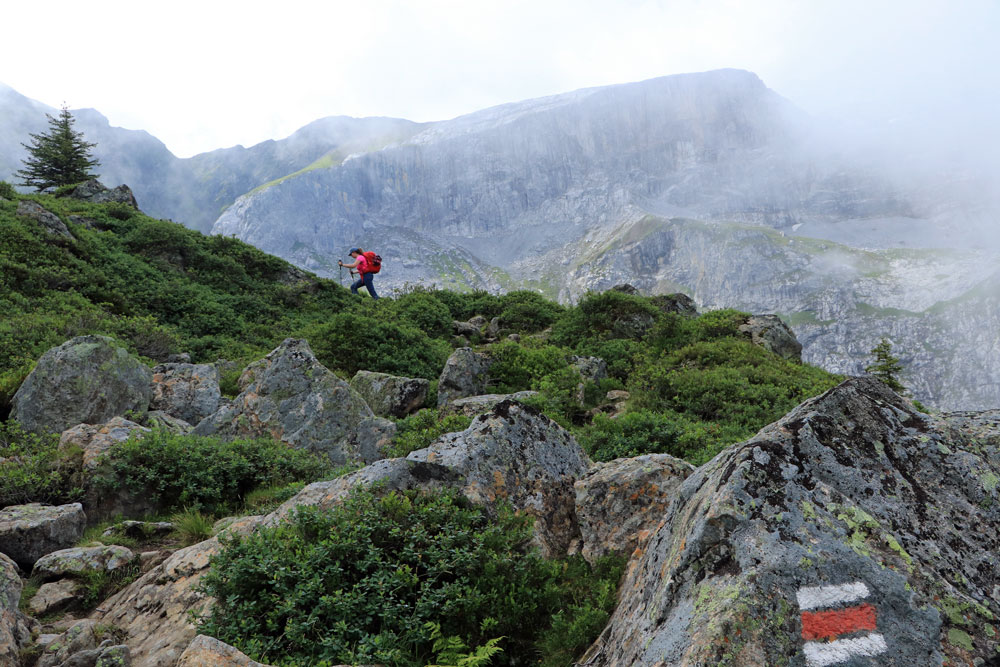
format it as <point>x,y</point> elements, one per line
<point>211,74</point>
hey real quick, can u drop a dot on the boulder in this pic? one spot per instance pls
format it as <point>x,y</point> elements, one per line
<point>205,651</point>
<point>78,560</point>
<point>466,329</point>
<point>88,379</point>
<point>54,596</point>
<point>15,627</point>
<point>389,395</point>
<point>186,391</point>
<point>678,303</point>
<point>175,425</point>
<point>28,532</point>
<point>855,530</point>
<point>48,220</point>
<point>289,395</point>
<point>619,504</point>
<point>464,374</point>
<point>517,455</point>
<point>139,530</point>
<point>98,193</point>
<point>594,369</point>
<point>773,335</point>
<point>97,440</point>
<point>472,406</point>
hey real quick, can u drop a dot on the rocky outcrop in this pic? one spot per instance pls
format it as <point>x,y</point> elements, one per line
<point>96,192</point>
<point>289,395</point>
<point>28,532</point>
<point>88,379</point>
<point>48,220</point>
<point>389,395</point>
<point>619,504</point>
<point>15,628</point>
<point>81,646</point>
<point>465,374</point>
<point>186,391</point>
<point>677,303</point>
<point>517,455</point>
<point>853,529</point>
<point>773,335</point>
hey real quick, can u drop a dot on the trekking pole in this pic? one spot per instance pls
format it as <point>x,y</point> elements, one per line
<point>341,275</point>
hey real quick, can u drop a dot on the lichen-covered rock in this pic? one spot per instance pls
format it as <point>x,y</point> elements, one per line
<point>619,504</point>
<point>205,651</point>
<point>389,395</point>
<point>677,303</point>
<point>96,440</point>
<point>54,596</point>
<point>772,334</point>
<point>594,369</point>
<point>28,532</point>
<point>464,374</point>
<point>175,425</point>
<point>472,406</point>
<point>88,379</point>
<point>289,395</point>
<point>49,221</point>
<point>517,455</point>
<point>853,531</point>
<point>15,628</point>
<point>187,391</point>
<point>78,560</point>
<point>98,193</point>
<point>77,639</point>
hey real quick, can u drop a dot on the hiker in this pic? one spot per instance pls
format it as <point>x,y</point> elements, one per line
<point>367,264</point>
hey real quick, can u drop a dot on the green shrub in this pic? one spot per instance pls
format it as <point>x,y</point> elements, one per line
<point>527,312</point>
<point>518,367</point>
<point>419,430</point>
<point>720,323</point>
<point>33,468</point>
<point>631,434</point>
<point>358,584</point>
<point>7,190</point>
<point>204,473</point>
<point>422,310</point>
<point>604,315</point>
<point>351,342</point>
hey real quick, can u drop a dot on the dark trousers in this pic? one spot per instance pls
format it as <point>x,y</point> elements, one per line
<point>366,280</point>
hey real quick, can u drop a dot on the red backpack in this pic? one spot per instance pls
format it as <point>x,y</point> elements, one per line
<point>374,261</point>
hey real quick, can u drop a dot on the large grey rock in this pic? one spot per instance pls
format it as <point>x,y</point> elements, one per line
<point>96,440</point>
<point>88,379</point>
<point>517,455</point>
<point>389,395</point>
<point>96,192</point>
<point>187,391</point>
<point>465,373</point>
<point>291,396</point>
<point>854,511</point>
<point>28,532</point>
<point>773,335</point>
<point>49,221</point>
<point>205,651</point>
<point>619,504</point>
<point>54,596</point>
<point>472,406</point>
<point>15,628</point>
<point>76,561</point>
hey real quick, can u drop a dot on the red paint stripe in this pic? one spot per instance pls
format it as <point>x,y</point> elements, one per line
<point>831,624</point>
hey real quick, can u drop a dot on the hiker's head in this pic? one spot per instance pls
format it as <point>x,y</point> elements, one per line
<point>355,252</point>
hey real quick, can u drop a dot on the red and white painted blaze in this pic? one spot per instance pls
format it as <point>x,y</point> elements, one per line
<point>831,612</point>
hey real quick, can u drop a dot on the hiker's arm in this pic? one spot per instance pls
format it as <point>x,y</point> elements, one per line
<point>349,266</point>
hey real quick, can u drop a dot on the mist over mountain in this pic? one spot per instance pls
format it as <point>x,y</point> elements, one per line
<point>711,184</point>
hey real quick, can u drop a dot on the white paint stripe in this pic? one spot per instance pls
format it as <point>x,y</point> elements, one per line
<point>820,654</point>
<point>827,596</point>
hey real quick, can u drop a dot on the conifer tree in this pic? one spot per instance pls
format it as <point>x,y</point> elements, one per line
<point>885,366</point>
<point>58,157</point>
